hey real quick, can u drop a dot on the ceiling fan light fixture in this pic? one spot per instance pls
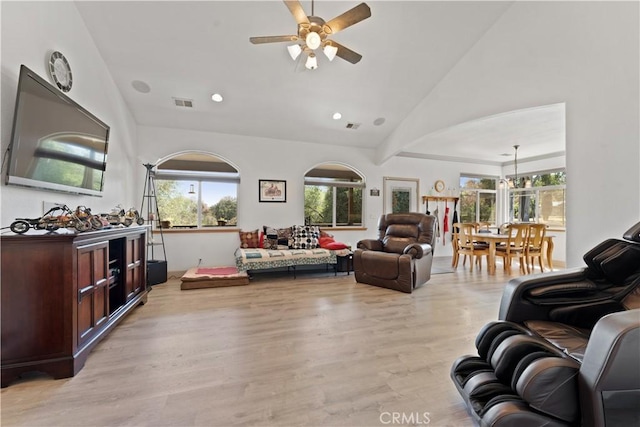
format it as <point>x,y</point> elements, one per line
<point>312,62</point>
<point>294,51</point>
<point>313,40</point>
<point>330,51</point>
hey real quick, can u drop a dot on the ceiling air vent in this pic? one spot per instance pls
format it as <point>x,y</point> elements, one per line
<point>182,102</point>
<point>353,126</point>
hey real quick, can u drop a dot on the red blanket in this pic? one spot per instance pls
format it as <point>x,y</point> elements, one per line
<point>217,271</point>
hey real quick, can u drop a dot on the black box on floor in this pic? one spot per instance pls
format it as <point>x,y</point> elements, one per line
<point>156,272</point>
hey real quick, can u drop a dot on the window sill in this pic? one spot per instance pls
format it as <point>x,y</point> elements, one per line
<point>218,229</point>
<point>358,228</point>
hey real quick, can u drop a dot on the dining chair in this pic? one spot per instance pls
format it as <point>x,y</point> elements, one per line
<point>535,242</point>
<point>483,227</point>
<point>516,246</point>
<point>455,242</point>
<point>467,246</point>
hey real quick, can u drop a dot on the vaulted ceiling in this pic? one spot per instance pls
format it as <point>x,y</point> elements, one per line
<point>190,50</point>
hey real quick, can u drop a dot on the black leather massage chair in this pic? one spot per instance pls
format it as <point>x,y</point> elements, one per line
<point>566,350</point>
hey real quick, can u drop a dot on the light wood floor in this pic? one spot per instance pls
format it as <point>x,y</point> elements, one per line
<point>315,351</point>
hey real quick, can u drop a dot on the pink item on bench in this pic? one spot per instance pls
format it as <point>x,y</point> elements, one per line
<point>218,271</point>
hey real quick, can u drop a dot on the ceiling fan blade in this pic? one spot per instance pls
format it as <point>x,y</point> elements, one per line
<point>347,19</point>
<point>296,10</point>
<point>272,39</point>
<point>346,53</point>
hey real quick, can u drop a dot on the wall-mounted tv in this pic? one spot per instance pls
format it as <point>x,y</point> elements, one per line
<point>55,143</point>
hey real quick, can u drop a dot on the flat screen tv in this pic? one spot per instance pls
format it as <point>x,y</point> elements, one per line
<point>55,143</point>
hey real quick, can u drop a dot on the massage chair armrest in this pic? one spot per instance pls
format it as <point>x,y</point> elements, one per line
<point>370,245</point>
<point>417,250</point>
<point>610,373</point>
<point>515,305</point>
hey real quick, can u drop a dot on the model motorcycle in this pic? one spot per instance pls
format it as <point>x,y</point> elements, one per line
<point>119,216</point>
<point>84,214</point>
<point>59,216</point>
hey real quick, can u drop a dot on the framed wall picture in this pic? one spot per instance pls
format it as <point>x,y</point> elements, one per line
<point>272,190</point>
<point>400,195</point>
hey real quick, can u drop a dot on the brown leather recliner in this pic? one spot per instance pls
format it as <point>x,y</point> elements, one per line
<point>401,257</point>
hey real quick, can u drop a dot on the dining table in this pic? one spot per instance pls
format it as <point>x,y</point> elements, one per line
<point>495,239</point>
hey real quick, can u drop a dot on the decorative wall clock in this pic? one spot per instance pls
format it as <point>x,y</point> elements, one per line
<point>439,186</point>
<point>60,71</point>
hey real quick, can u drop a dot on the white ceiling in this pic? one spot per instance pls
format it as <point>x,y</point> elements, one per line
<point>193,49</point>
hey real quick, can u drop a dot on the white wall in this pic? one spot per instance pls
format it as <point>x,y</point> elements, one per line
<point>57,26</point>
<point>30,32</point>
<point>261,158</point>
<point>585,54</point>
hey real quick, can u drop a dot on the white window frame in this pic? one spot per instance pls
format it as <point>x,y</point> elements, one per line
<point>199,177</point>
<point>335,183</point>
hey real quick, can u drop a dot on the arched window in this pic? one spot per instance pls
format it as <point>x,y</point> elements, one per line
<point>197,190</point>
<point>333,196</point>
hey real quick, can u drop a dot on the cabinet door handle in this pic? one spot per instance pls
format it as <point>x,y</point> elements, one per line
<point>83,291</point>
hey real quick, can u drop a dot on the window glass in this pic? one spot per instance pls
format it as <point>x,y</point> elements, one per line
<point>477,199</point>
<point>197,190</point>
<point>552,207</point>
<point>540,198</point>
<point>487,210</point>
<point>349,206</point>
<point>318,205</point>
<point>333,196</point>
<point>468,206</point>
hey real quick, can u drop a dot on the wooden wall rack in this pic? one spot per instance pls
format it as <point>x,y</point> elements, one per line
<point>426,199</point>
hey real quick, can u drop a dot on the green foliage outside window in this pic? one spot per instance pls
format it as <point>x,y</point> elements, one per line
<point>181,209</point>
<point>477,199</point>
<point>540,198</point>
<point>319,208</point>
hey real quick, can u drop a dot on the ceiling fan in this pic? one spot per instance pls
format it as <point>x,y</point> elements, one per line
<point>314,32</point>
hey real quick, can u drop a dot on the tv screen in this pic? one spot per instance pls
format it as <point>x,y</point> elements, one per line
<point>55,144</point>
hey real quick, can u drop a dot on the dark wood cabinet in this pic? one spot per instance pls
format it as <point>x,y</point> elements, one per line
<point>62,293</point>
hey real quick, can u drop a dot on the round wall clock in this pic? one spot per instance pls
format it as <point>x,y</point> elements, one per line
<point>439,186</point>
<point>60,71</point>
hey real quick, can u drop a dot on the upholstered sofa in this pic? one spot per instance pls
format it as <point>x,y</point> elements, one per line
<point>566,348</point>
<point>401,257</point>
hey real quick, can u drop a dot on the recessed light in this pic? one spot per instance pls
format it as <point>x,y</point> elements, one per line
<point>337,116</point>
<point>379,121</point>
<point>216,97</point>
<point>141,86</point>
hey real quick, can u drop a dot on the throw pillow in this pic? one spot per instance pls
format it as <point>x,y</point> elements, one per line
<point>275,238</point>
<point>325,234</point>
<point>249,239</point>
<point>305,236</point>
<point>335,246</point>
<point>284,236</point>
<point>323,241</point>
<point>270,238</point>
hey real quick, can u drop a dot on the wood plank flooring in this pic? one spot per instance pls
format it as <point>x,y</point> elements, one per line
<point>315,351</point>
